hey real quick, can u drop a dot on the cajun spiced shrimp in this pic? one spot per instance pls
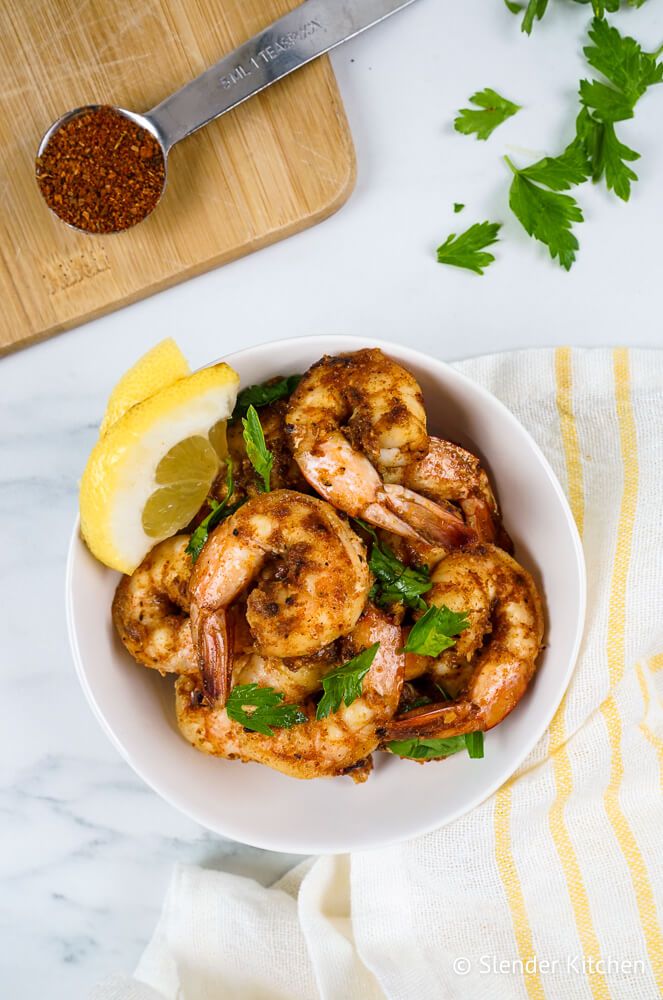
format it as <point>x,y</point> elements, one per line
<point>309,576</point>
<point>151,609</point>
<point>497,653</point>
<point>353,420</point>
<point>151,615</point>
<point>450,474</point>
<point>338,744</point>
<point>296,678</point>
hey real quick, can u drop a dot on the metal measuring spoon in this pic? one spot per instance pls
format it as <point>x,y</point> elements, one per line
<point>307,32</point>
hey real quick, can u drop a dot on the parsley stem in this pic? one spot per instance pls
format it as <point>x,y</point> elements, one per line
<point>511,166</point>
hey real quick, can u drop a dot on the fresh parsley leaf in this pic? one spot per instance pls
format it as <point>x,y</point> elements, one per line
<point>562,172</point>
<point>493,111</point>
<point>467,249</point>
<point>260,456</point>
<point>546,215</point>
<point>601,6</point>
<point>427,749</point>
<point>474,744</point>
<point>218,513</point>
<point>534,12</point>
<point>606,154</point>
<point>458,207</point>
<point>344,683</point>
<point>433,749</point>
<point>537,8</point>
<point>261,395</point>
<point>606,103</point>
<point>395,582</point>
<point>622,61</point>
<point>630,71</point>
<point>435,631</point>
<point>267,706</point>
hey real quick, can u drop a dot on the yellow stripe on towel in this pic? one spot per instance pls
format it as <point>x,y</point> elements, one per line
<point>656,663</point>
<point>616,652</point>
<point>514,892</point>
<point>655,741</point>
<point>560,759</point>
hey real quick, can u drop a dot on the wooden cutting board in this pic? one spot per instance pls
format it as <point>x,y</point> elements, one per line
<point>275,165</point>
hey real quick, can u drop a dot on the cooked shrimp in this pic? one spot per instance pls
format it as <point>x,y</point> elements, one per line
<point>462,585</point>
<point>353,420</point>
<point>310,574</point>
<point>339,744</point>
<point>296,678</point>
<point>499,650</point>
<point>450,474</point>
<point>151,609</point>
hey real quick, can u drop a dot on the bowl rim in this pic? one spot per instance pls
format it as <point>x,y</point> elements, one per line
<point>301,845</point>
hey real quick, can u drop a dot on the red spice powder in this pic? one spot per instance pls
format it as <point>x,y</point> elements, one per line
<point>101,172</point>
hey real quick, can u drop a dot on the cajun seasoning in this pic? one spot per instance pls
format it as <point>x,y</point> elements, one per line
<point>101,172</point>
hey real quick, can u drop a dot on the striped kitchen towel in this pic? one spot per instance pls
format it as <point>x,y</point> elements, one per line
<point>553,888</point>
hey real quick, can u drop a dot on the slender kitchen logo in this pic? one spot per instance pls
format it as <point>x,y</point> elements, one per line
<point>269,53</point>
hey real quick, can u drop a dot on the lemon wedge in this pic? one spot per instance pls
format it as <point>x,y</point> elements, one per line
<point>159,368</point>
<point>152,469</point>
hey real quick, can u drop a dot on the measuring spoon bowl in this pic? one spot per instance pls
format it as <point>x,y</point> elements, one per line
<point>308,31</point>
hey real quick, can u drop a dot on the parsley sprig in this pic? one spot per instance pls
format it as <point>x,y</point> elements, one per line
<point>596,150</point>
<point>630,71</point>
<point>218,513</point>
<point>259,454</point>
<point>265,393</point>
<point>394,581</point>
<point>344,683</point>
<point>538,194</point>
<point>535,9</point>
<point>468,249</point>
<point>436,631</point>
<point>547,215</point>
<point>491,110</point>
<point>434,749</point>
<point>267,709</point>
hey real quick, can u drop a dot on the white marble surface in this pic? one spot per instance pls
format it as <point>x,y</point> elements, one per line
<point>87,849</point>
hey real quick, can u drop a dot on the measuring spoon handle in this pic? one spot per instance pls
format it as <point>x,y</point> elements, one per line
<point>305,33</point>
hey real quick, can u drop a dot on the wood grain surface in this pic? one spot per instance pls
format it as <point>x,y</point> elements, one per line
<point>275,165</point>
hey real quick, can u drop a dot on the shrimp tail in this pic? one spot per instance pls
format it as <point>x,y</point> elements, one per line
<point>436,722</point>
<point>429,520</point>
<point>382,517</point>
<point>486,522</point>
<point>214,640</point>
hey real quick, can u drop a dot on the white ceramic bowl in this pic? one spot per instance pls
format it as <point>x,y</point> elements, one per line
<point>252,804</point>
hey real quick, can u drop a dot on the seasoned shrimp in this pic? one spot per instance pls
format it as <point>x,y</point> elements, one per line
<point>339,744</point>
<point>151,609</point>
<point>310,574</point>
<point>449,474</point>
<point>460,582</point>
<point>499,650</point>
<point>296,678</point>
<point>354,419</point>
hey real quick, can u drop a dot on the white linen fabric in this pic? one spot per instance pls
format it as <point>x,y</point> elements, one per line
<point>552,888</point>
